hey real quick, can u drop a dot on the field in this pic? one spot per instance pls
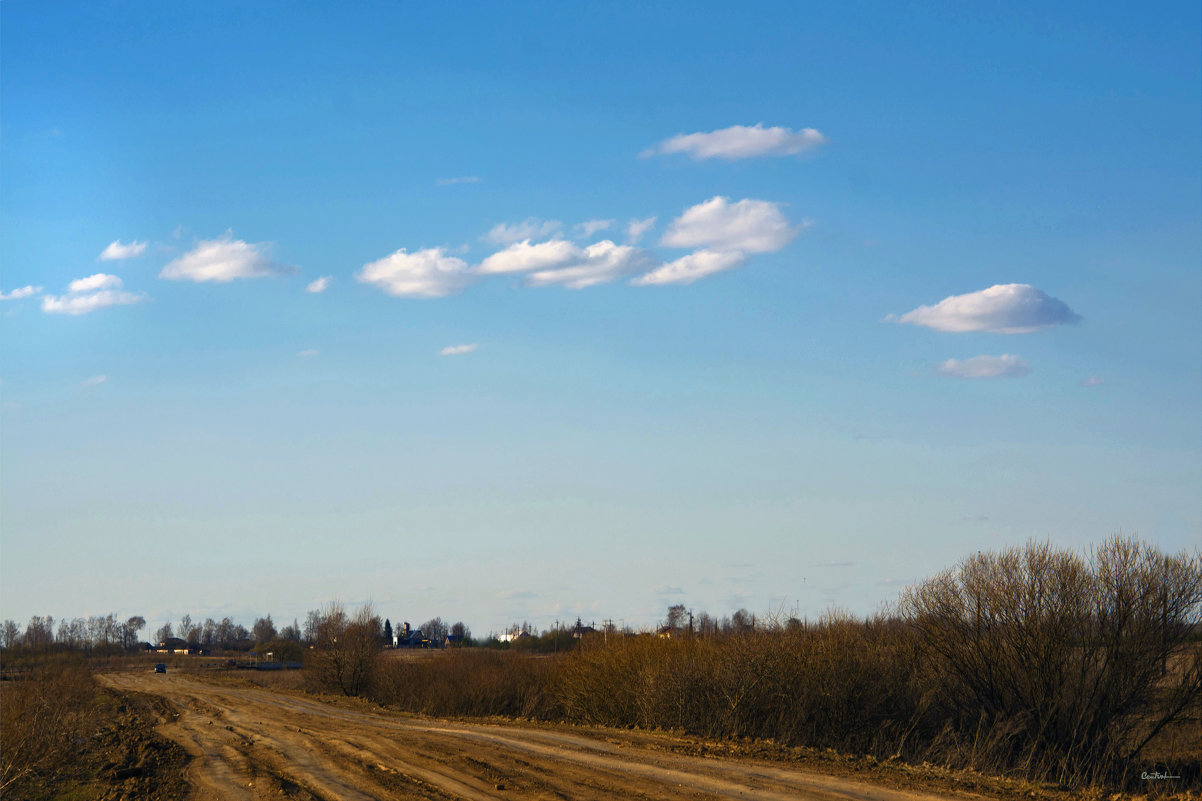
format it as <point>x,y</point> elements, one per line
<point>1032,673</point>
<point>202,732</point>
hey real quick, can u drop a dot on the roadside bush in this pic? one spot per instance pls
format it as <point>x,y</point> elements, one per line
<point>284,650</point>
<point>1056,665</point>
<point>44,715</point>
<point>844,684</point>
<point>346,651</point>
<point>466,681</point>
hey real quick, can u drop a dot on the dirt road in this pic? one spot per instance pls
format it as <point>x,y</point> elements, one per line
<point>251,743</point>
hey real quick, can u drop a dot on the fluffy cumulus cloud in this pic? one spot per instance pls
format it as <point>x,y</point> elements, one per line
<point>428,273</point>
<point>688,269</point>
<point>20,292</point>
<point>222,260</point>
<point>741,142</point>
<point>522,257</point>
<point>458,350</point>
<point>559,261</point>
<point>722,235</point>
<point>1000,309</point>
<point>318,286</point>
<point>748,226</point>
<point>94,282</point>
<point>1004,366</point>
<point>89,294</point>
<point>530,228</point>
<point>596,264</point>
<point>116,250</point>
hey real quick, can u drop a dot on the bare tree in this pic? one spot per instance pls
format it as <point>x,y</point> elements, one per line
<point>208,633</point>
<point>129,631</point>
<point>263,630</point>
<point>39,632</point>
<point>742,621</point>
<point>291,633</point>
<point>164,633</point>
<point>435,631</point>
<point>225,633</point>
<point>346,650</point>
<point>10,634</point>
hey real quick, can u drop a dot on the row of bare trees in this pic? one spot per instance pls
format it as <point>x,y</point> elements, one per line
<point>105,632</point>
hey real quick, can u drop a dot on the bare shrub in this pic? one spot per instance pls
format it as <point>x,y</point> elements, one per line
<point>844,684</point>
<point>43,717</point>
<point>1054,664</point>
<point>468,682</point>
<point>346,650</point>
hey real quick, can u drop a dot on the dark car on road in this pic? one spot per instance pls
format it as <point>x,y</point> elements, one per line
<point>160,668</point>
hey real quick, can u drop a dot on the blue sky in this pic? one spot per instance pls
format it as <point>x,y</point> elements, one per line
<point>776,307</point>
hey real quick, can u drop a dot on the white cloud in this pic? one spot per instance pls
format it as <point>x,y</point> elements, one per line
<point>428,273</point>
<point>89,294</point>
<point>1000,309</point>
<point>636,228</point>
<point>21,292</point>
<point>94,282</point>
<point>530,228</point>
<point>1093,381</point>
<point>94,381</point>
<point>224,259</point>
<point>522,257</point>
<point>688,269</point>
<point>590,227</point>
<point>741,142</point>
<point>748,226</point>
<point>458,350</point>
<point>82,304</point>
<point>1004,366</point>
<point>307,353</point>
<point>318,286</point>
<point>596,264</point>
<point>466,179</point>
<point>117,251</point>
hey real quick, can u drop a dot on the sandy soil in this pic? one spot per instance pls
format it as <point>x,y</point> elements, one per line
<point>251,743</point>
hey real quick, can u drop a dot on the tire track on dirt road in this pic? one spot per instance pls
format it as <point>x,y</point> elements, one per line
<point>250,744</point>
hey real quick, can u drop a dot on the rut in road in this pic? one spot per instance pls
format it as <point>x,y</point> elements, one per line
<point>251,743</point>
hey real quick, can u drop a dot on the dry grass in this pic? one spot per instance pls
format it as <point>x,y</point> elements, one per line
<point>44,716</point>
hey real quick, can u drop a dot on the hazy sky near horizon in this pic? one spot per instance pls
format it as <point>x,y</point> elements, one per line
<point>509,312</point>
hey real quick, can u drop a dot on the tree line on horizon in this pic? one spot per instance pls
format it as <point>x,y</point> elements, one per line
<point>107,634</point>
